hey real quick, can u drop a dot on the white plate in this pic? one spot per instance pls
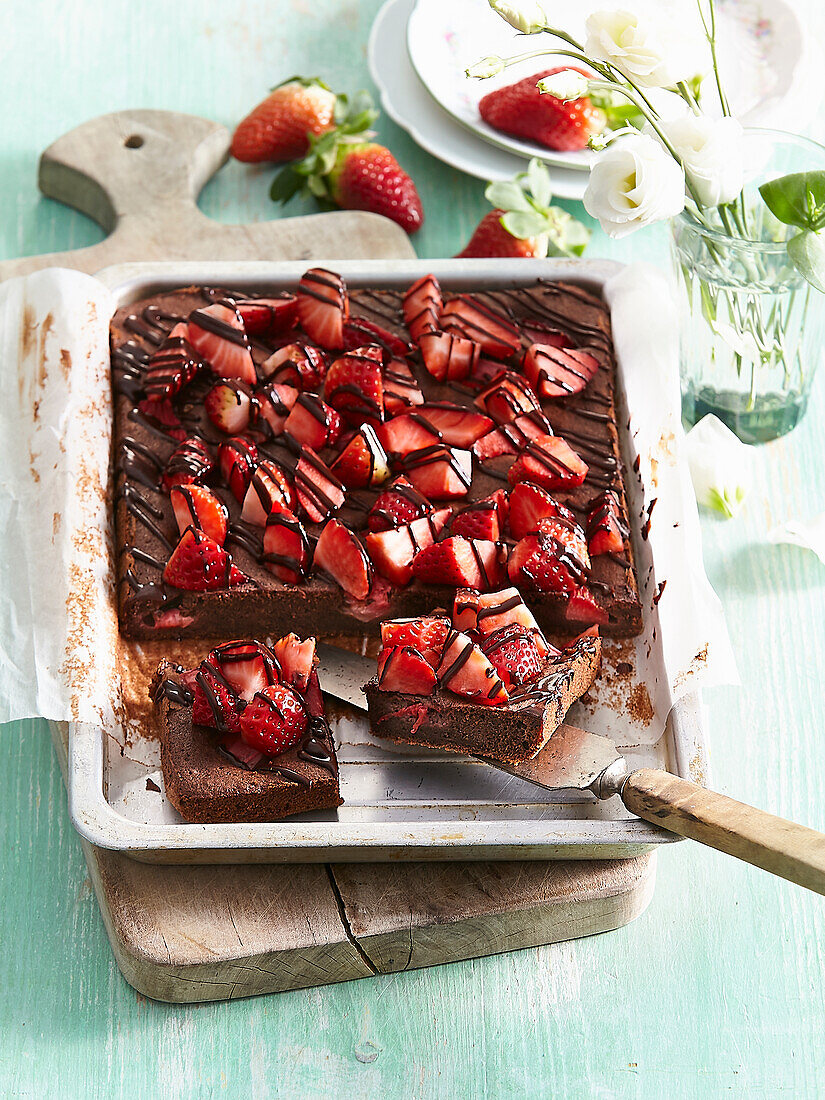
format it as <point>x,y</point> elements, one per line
<point>407,102</point>
<point>760,46</point>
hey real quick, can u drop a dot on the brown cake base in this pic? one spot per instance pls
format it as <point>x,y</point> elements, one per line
<point>511,733</point>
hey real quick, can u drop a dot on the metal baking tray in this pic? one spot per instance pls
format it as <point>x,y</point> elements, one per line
<point>400,803</point>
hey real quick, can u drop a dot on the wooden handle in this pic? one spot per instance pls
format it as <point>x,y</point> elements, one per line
<point>791,851</point>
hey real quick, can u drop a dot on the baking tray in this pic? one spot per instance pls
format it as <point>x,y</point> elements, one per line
<point>400,803</point>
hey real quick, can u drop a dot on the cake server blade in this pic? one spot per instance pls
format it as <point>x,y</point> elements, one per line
<point>341,674</point>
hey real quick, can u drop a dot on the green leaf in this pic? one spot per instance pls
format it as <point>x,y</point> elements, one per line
<point>507,195</point>
<point>524,225</point>
<point>538,179</point>
<point>285,184</point>
<point>807,253</point>
<point>797,199</point>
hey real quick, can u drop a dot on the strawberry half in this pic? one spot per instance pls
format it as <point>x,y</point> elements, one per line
<point>269,491</point>
<point>275,402</point>
<point>476,320</point>
<point>319,490</point>
<point>274,720</point>
<point>439,472</point>
<point>507,398</point>
<point>358,331</point>
<point>269,316</point>
<point>447,356</point>
<point>606,529</point>
<point>466,671</point>
<point>422,306</point>
<point>509,439</point>
<point>457,427</point>
<point>478,521</point>
<point>528,505</point>
<point>490,611</point>
<point>401,668</point>
<point>197,506</point>
<point>296,659</point>
<point>393,552</point>
<point>190,462</point>
<point>237,459</point>
<point>199,564</point>
<point>214,703</point>
<point>217,334</point>
<point>569,533</point>
<point>229,406</point>
<point>452,561</point>
<point>558,372</point>
<point>546,564</point>
<point>582,608</point>
<point>172,366</point>
<point>399,504</point>
<point>341,554</point>
<point>300,365</point>
<point>286,551</point>
<point>246,667</point>
<point>160,412</point>
<point>549,462</point>
<point>406,433</point>
<point>363,461</point>
<point>513,653</point>
<point>401,388</point>
<point>312,422</point>
<point>354,386</point>
<point>323,306</point>
<point>425,635</point>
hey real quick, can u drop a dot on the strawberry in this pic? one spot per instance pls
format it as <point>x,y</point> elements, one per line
<point>319,490</point>
<point>274,721</point>
<point>278,128</point>
<point>160,412</point>
<point>541,332</point>
<point>286,546</point>
<point>400,387</point>
<point>172,366</point>
<point>199,564</point>
<point>300,365</point>
<point>323,306</point>
<point>245,666</point>
<point>341,555</point>
<point>358,331</point>
<point>439,472</point>
<point>393,552</point>
<point>399,504</point>
<point>492,562</point>
<point>530,503</point>
<point>490,238</point>
<point>296,660</point>
<point>269,316</point>
<point>549,462</point>
<point>229,406</point>
<point>355,388</point>
<point>190,462</point>
<point>197,506</point>
<point>448,356</point>
<point>312,422</point>
<point>275,402</point>
<point>582,608</point>
<point>363,461</point>
<point>268,491</point>
<point>400,668</point>
<point>217,334</point>
<point>214,703</point>
<point>466,671</point>
<point>406,433</point>
<point>509,439</point>
<point>491,611</point>
<point>513,653</point>
<point>491,330</point>
<point>458,427</point>
<point>547,564</point>
<point>366,176</point>
<point>452,561</point>
<point>425,635</point>
<point>606,529</point>
<point>558,372</point>
<point>508,397</point>
<point>422,306</point>
<point>522,110</point>
<point>568,532</point>
<point>237,459</point>
<point>477,521</point>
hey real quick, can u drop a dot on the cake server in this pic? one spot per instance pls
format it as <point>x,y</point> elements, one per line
<point>574,759</point>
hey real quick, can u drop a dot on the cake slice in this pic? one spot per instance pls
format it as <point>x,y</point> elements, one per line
<point>244,736</point>
<point>485,681</point>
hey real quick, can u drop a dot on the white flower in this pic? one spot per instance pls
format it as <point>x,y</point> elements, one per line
<point>720,466</point>
<point>526,16</point>
<point>487,67</point>
<point>711,152</point>
<point>565,85</point>
<point>809,535</point>
<point>643,50</point>
<point>633,183</point>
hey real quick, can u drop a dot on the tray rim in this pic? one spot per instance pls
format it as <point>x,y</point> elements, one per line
<point>290,841</point>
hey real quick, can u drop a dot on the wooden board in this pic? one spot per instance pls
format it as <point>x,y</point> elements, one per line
<point>201,933</point>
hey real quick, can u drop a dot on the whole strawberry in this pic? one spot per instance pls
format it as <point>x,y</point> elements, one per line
<point>278,128</point>
<point>366,176</point>
<point>522,110</point>
<point>490,238</point>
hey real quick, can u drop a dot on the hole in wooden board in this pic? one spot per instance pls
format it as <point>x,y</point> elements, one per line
<point>134,141</point>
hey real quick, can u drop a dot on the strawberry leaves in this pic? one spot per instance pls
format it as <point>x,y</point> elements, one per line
<point>528,213</point>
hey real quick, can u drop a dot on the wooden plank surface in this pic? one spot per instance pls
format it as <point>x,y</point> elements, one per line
<point>718,989</point>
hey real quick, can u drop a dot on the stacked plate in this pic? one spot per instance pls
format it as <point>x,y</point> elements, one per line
<point>419,49</point>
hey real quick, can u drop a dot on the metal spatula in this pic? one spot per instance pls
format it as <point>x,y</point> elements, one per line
<point>574,759</point>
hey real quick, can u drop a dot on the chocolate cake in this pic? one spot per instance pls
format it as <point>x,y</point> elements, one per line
<point>188,360</point>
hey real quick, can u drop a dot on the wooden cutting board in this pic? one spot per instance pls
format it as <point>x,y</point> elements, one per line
<point>199,933</point>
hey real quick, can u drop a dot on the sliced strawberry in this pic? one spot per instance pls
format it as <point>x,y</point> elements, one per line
<point>341,554</point>
<point>465,671</point>
<point>190,462</point>
<point>493,610</point>
<point>323,307</point>
<point>269,491</point>
<point>509,439</point>
<point>493,445</point>
<point>319,490</point>
<point>172,366</point>
<point>549,462</point>
<point>545,563</point>
<point>492,330</point>
<point>492,562</point>
<point>214,703</point>
<point>246,666</point>
<point>300,365</point>
<point>296,659</point>
<point>457,426</point>
<point>274,720</point>
<point>400,668</point>
<point>513,653</point>
<point>400,387</point>
<point>217,334</point>
<point>237,459</point>
<point>358,331</point>
<point>465,610</point>
<point>199,564</point>
<point>399,504</point>
<point>539,332</point>
<point>530,503</point>
<point>160,412</point>
<point>363,461</point>
<point>394,551</point>
<point>425,635</point>
<point>439,472</point>
<point>606,528</point>
<point>354,386</point>
<point>447,356</point>
<point>486,371</point>
<point>422,306</point>
<point>229,406</point>
<point>478,521</point>
<point>508,397</point>
<point>197,506</point>
<point>582,608</point>
<point>558,372</point>
<point>286,546</point>
<point>566,530</point>
<point>270,316</point>
<point>275,402</point>
<point>312,422</point>
<point>406,433</point>
<point>452,561</point>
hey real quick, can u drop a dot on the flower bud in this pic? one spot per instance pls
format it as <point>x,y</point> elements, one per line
<point>526,16</point>
<point>487,67</point>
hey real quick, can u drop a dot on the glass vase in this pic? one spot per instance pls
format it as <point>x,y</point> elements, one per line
<point>751,328</point>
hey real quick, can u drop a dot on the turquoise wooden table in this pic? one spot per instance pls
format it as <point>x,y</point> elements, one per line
<point>719,988</point>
